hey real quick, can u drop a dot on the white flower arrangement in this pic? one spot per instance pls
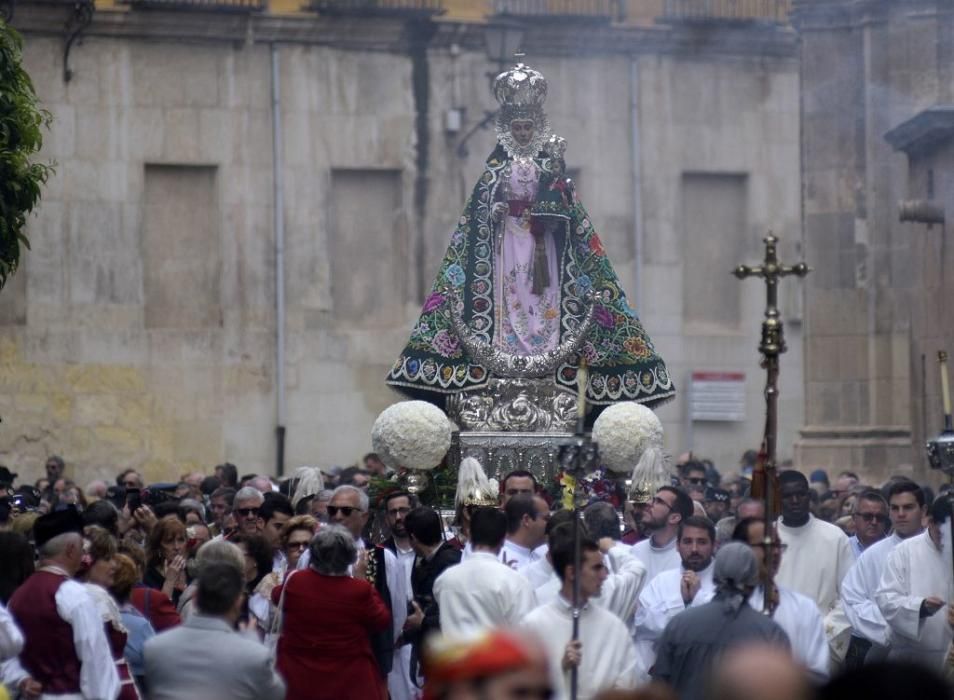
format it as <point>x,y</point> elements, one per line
<point>624,431</point>
<point>411,434</point>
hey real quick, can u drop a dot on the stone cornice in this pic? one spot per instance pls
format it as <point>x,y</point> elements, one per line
<point>393,34</point>
<point>828,15</point>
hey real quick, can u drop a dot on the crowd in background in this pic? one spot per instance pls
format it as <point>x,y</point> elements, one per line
<point>335,580</point>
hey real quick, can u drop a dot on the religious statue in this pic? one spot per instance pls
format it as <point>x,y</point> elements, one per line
<point>526,291</point>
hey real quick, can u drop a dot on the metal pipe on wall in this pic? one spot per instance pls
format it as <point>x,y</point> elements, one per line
<point>278,196</point>
<point>635,156</point>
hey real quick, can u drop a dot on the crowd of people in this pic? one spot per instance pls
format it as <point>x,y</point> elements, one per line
<point>343,585</point>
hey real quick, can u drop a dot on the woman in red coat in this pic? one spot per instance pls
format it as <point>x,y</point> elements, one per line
<point>324,650</point>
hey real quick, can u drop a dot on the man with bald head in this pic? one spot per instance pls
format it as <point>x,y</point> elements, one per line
<point>758,673</point>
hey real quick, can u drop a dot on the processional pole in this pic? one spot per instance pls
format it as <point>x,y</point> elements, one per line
<point>577,457</point>
<point>940,450</point>
<point>765,476</point>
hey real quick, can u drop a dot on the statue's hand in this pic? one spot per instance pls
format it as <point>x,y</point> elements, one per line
<point>498,211</point>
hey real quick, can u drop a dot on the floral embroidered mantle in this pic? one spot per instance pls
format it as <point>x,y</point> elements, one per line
<point>623,364</point>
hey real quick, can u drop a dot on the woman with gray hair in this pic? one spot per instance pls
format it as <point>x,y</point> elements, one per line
<point>694,640</point>
<point>324,647</point>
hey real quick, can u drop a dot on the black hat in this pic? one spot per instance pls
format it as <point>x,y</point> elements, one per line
<point>6,476</point>
<point>717,495</point>
<point>59,522</point>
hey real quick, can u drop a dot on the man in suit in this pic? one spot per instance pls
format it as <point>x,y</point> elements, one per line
<point>186,662</point>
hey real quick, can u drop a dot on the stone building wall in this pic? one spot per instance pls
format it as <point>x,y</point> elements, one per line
<point>141,329</point>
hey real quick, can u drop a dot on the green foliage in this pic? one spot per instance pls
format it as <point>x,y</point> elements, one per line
<point>21,136</point>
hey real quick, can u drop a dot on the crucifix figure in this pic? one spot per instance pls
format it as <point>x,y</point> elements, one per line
<point>771,346</point>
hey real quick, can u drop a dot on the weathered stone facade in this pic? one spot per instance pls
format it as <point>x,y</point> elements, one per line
<point>874,312</point>
<point>141,330</point>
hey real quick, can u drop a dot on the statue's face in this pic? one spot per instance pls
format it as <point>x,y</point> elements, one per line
<point>522,130</point>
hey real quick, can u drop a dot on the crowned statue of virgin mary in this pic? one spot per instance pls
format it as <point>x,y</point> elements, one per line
<point>525,290</point>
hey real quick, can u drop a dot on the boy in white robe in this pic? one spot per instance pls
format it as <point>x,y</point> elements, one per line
<point>915,586</point>
<point>870,631</point>
<point>482,592</point>
<point>603,656</point>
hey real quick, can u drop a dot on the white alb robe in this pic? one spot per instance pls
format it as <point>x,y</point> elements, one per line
<point>518,557</point>
<point>620,591</point>
<point>11,639</point>
<point>479,594</point>
<point>657,559</point>
<point>798,616</point>
<point>539,573</point>
<point>607,657</point>
<point>858,592</point>
<point>817,559</point>
<point>660,601</point>
<point>916,569</point>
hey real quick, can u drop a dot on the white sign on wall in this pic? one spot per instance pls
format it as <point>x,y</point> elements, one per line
<point>717,396</point>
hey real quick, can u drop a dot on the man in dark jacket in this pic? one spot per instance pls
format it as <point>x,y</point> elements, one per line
<point>694,640</point>
<point>433,556</point>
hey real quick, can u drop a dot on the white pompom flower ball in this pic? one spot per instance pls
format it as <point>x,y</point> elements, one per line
<point>411,434</point>
<point>624,431</point>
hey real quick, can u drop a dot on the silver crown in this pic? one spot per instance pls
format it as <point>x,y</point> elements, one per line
<point>521,86</point>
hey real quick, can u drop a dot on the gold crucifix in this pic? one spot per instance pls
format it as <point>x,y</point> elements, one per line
<point>764,479</point>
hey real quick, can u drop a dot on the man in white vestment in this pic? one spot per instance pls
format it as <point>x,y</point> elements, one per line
<point>871,634</point>
<point>527,518</point>
<point>603,655</point>
<point>482,592</point>
<point>818,554</point>
<point>620,591</point>
<point>675,590</point>
<point>670,506</point>
<point>915,586</point>
<point>796,614</point>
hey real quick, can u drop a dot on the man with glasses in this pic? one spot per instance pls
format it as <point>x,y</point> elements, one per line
<point>818,555</point>
<point>247,503</point>
<point>870,519</point>
<point>871,635</point>
<point>796,614</point>
<point>669,507</point>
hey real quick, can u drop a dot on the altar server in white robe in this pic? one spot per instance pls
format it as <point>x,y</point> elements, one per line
<point>527,518</point>
<point>915,586</point>
<point>795,613</point>
<point>482,592</point>
<point>603,654</point>
<point>818,554</point>
<point>669,507</point>
<point>907,510</point>
<point>620,591</point>
<point>675,590</point>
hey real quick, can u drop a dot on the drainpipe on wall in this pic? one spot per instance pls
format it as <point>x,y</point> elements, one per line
<point>635,159</point>
<point>278,197</point>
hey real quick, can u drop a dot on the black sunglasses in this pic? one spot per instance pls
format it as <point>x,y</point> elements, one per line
<point>247,511</point>
<point>345,510</point>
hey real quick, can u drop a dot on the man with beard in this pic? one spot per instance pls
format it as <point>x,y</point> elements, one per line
<point>675,590</point>
<point>669,507</point>
<point>795,613</point>
<point>397,505</point>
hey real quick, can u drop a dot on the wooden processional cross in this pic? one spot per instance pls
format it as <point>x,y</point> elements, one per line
<point>771,346</point>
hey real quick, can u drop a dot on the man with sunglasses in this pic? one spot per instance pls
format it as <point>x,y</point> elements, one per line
<point>693,480</point>
<point>248,501</point>
<point>871,635</point>
<point>870,519</point>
